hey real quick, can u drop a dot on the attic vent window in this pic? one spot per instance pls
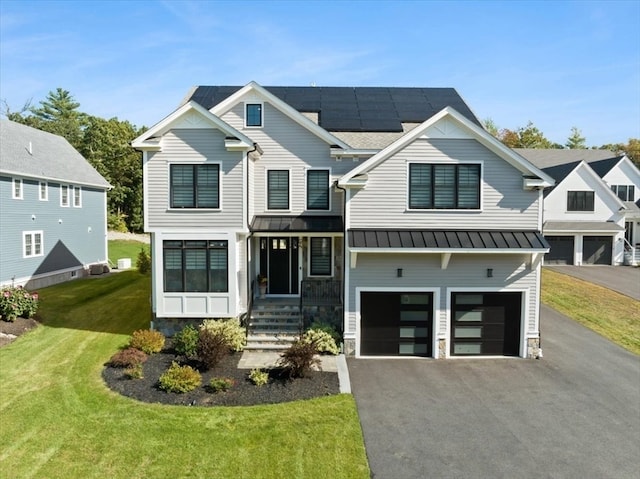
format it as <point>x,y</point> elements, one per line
<point>253,115</point>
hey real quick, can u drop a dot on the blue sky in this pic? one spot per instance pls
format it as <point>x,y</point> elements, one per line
<point>557,64</point>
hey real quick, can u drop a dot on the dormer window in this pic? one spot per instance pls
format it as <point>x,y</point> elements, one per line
<point>253,115</point>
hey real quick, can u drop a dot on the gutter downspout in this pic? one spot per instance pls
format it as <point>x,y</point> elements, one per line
<point>344,249</point>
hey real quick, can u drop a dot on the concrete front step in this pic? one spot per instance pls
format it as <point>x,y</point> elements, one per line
<point>270,342</point>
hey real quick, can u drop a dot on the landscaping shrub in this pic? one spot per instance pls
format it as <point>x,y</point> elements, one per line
<point>220,384</point>
<point>212,347</point>
<point>329,328</point>
<point>17,302</point>
<point>186,342</point>
<point>143,263</point>
<point>299,358</point>
<point>147,340</point>
<point>230,329</point>
<point>180,379</point>
<point>259,377</point>
<point>127,358</point>
<point>323,340</point>
<point>134,372</point>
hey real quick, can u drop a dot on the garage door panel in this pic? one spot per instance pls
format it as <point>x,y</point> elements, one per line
<point>597,249</point>
<point>560,251</point>
<point>491,326</point>
<point>395,323</point>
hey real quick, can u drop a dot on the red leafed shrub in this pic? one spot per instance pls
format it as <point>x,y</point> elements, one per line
<point>127,358</point>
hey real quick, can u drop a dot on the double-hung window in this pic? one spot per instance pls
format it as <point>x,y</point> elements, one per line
<point>64,195</point>
<point>253,114</point>
<point>195,186</point>
<point>580,201</point>
<point>455,186</point>
<point>196,266</point>
<point>320,253</point>
<point>17,189</point>
<point>278,189</point>
<point>624,192</point>
<point>77,196</point>
<point>43,191</point>
<point>32,244</point>
<point>317,189</point>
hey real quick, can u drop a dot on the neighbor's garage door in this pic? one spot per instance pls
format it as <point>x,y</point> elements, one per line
<point>394,323</point>
<point>486,324</point>
<point>597,249</point>
<point>561,251</point>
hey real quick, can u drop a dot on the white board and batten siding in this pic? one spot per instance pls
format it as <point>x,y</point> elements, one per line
<point>193,146</point>
<point>287,146</point>
<point>383,203</point>
<point>465,272</point>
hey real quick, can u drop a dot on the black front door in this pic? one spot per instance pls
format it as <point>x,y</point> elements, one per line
<point>283,265</point>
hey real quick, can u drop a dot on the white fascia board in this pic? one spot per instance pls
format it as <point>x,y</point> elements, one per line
<point>148,141</point>
<point>229,102</point>
<point>479,134</point>
<point>451,250</point>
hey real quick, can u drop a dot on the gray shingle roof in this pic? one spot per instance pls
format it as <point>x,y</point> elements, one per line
<point>51,157</point>
<point>446,239</point>
<point>545,158</point>
<point>581,226</point>
<point>357,109</point>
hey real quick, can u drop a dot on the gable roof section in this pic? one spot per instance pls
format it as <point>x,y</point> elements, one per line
<point>602,167</point>
<point>148,140</point>
<point>231,100</point>
<point>348,109</point>
<point>561,172</point>
<point>33,153</point>
<point>450,123</point>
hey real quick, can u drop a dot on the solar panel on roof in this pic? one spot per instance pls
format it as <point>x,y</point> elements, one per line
<point>381,125</point>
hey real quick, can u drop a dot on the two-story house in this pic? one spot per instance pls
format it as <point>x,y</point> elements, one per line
<point>53,209</point>
<point>591,216</point>
<point>392,206</point>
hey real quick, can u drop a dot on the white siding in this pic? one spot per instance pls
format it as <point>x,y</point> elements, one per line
<point>504,203</point>
<point>194,146</point>
<point>624,173</point>
<point>287,145</point>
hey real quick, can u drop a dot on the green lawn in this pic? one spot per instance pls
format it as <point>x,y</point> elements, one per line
<point>125,249</point>
<point>60,421</point>
<point>613,315</point>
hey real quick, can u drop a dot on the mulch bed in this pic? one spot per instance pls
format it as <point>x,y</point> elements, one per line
<point>10,330</point>
<point>243,393</point>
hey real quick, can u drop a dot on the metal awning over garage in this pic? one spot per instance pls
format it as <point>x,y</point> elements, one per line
<point>446,243</point>
<point>581,227</point>
<point>297,224</point>
<point>450,240</point>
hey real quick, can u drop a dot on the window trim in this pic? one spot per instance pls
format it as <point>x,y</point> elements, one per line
<point>308,207</point>
<point>616,191</point>
<point>19,184</point>
<point>44,197</point>
<point>32,235</point>
<point>195,207</point>
<point>184,247</point>
<point>64,204</point>
<point>266,190</point>
<point>480,166</point>
<point>77,204</point>
<point>331,257</point>
<point>577,209</point>
<point>246,114</point>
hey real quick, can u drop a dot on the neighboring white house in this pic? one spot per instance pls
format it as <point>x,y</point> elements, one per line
<point>53,209</point>
<point>390,211</point>
<point>591,215</point>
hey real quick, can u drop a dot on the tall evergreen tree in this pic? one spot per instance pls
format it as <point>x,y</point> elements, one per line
<point>576,141</point>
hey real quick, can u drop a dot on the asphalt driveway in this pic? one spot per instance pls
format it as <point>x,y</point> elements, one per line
<point>623,279</point>
<point>573,414</point>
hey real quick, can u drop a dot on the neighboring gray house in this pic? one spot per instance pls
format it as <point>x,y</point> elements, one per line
<point>391,208</point>
<point>591,216</point>
<point>53,208</point>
